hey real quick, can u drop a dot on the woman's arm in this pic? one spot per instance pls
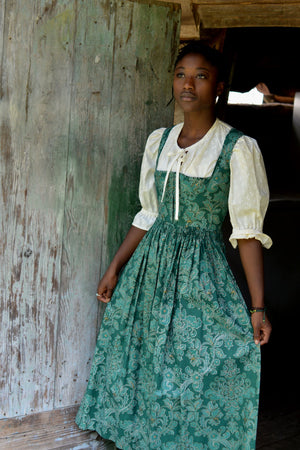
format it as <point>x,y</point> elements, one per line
<point>110,278</point>
<point>143,219</point>
<point>252,261</point>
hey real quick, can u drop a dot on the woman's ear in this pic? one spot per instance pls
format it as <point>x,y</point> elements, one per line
<point>220,88</point>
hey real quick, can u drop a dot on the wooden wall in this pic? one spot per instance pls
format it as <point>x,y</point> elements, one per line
<point>82,85</point>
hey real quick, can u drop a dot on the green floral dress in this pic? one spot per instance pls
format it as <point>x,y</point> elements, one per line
<point>175,365</point>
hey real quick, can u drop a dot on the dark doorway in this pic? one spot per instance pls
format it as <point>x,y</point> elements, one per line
<point>267,55</point>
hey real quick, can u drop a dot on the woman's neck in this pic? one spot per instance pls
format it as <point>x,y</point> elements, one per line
<point>194,128</point>
<point>197,124</point>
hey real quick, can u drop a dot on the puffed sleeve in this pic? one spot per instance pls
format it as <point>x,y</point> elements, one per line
<point>146,217</point>
<point>249,193</point>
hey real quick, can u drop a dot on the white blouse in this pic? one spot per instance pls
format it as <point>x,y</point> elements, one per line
<point>248,195</point>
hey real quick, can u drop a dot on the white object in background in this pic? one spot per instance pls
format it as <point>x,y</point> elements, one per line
<point>296,116</point>
<point>253,97</point>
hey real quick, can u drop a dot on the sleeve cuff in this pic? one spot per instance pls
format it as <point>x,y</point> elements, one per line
<point>144,219</point>
<point>265,240</point>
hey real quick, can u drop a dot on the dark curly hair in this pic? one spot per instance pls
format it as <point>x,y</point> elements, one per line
<point>213,56</point>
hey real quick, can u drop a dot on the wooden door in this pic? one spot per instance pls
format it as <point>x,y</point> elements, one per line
<point>82,85</point>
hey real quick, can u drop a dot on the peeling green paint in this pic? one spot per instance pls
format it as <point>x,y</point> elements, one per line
<point>123,205</point>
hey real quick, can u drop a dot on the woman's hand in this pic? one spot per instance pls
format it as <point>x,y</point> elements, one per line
<point>252,261</point>
<point>106,286</point>
<point>261,329</point>
<point>110,278</point>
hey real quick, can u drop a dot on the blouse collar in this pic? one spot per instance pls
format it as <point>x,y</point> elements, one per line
<point>176,154</point>
<point>177,130</point>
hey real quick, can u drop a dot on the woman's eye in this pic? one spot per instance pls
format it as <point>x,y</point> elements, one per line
<point>199,76</point>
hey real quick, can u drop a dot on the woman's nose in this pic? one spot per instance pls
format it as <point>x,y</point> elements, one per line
<point>189,83</point>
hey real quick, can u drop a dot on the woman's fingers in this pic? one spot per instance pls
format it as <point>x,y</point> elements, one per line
<point>261,329</point>
<point>256,336</point>
<point>106,287</point>
<point>104,294</point>
<point>265,332</point>
<point>102,298</point>
<point>109,293</point>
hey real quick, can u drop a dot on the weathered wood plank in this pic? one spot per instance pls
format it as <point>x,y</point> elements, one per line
<point>79,94</point>
<point>49,430</point>
<point>141,107</point>
<point>88,445</point>
<point>114,107</point>
<point>85,220</point>
<point>188,30</point>
<point>243,2</point>
<point>2,33</point>
<point>14,173</point>
<point>43,431</point>
<point>286,13</point>
<point>4,143</point>
<point>35,122</point>
<point>273,14</point>
<point>48,118</point>
<point>56,430</point>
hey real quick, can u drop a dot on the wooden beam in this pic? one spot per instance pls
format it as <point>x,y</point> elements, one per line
<point>242,2</point>
<point>189,28</point>
<point>189,32</point>
<point>251,14</point>
<point>186,9</point>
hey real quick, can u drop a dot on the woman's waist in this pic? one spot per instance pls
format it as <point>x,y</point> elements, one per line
<point>190,227</point>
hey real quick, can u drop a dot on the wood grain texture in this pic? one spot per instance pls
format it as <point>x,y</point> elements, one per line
<point>141,107</point>
<point>34,128</point>
<point>82,85</point>
<point>86,179</point>
<point>277,429</point>
<point>43,431</point>
<point>249,14</point>
<point>115,85</point>
<point>244,2</point>
<point>235,13</point>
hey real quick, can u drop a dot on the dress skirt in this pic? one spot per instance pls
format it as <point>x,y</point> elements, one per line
<point>175,365</point>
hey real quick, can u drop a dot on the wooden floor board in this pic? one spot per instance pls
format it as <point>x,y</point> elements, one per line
<point>56,430</point>
<point>88,445</point>
<point>44,431</point>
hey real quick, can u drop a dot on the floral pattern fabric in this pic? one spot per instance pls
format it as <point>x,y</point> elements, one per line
<point>175,365</point>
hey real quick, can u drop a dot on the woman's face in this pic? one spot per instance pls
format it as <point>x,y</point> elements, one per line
<point>195,83</point>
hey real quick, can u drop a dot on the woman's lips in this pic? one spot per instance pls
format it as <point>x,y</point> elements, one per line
<point>187,96</point>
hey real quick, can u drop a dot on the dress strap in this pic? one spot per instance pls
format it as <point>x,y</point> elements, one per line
<point>231,139</point>
<point>162,143</point>
<point>224,158</point>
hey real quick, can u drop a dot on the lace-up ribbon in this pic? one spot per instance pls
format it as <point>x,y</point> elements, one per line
<point>178,157</point>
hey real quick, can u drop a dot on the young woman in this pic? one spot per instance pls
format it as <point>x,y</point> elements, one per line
<point>177,362</point>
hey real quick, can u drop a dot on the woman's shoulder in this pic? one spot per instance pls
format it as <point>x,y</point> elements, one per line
<point>156,134</point>
<point>173,130</point>
<point>244,142</point>
<point>153,142</point>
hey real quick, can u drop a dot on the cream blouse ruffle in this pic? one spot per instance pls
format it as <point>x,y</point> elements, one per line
<point>248,195</point>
